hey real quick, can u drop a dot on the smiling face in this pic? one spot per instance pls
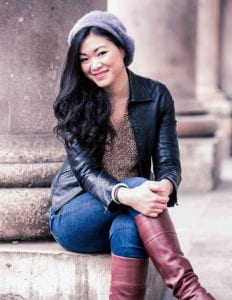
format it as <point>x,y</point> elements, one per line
<point>102,61</point>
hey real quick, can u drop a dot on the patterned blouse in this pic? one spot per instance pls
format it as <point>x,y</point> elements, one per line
<point>120,158</point>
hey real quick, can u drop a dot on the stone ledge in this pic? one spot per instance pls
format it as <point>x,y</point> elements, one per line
<point>30,149</point>
<point>24,213</point>
<point>45,271</point>
<point>28,175</point>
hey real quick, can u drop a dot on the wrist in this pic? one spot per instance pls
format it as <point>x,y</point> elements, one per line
<point>124,195</point>
<point>115,191</point>
<point>169,185</point>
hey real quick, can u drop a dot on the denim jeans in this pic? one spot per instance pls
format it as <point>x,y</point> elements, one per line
<point>82,225</point>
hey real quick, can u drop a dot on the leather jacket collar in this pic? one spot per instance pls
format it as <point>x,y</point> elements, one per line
<point>138,93</point>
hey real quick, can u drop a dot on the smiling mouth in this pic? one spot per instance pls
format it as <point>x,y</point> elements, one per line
<point>100,75</point>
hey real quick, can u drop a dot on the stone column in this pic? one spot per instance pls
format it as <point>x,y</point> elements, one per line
<point>207,61</point>
<point>226,63</point>
<point>164,33</point>
<point>165,39</point>
<point>207,66</point>
<point>226,44</point>
<point>33,46</point>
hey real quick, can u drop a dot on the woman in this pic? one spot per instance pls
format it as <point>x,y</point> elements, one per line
<point>113,123</point>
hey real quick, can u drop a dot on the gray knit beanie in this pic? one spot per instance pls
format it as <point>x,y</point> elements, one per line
<point>110,23</point>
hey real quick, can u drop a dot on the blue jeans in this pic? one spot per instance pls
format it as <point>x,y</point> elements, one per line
<point>81,225</point>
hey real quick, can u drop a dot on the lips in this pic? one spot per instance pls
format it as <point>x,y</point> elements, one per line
<point>100,75</point>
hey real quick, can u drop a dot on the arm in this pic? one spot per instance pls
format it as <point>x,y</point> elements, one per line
<point>96,181</point>
<point>166,161</point>
<point>90,176</point>
<point>152,197</point>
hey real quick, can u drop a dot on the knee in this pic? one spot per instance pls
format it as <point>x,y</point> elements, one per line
<point>124,238</point>
<point>134,181</point>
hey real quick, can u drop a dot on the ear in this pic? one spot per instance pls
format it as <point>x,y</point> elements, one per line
<point>123,52</point>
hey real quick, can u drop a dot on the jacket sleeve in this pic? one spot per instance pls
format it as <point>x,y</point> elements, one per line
<point>91,177</point>
<point>166,157</point>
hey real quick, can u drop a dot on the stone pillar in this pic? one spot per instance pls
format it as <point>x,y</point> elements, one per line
<point>225,61</point>
<point>32,47</point>
<point>226,40</point>
<point>207,66</point>
<point>207,61</point>
<point>165,40</point>
<point>164,33</point>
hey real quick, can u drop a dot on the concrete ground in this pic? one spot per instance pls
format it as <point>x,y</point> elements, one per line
<point>204,226</point>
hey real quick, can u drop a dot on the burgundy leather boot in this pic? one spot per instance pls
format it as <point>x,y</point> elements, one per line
<point>128,278</point>
<point>161,242</point>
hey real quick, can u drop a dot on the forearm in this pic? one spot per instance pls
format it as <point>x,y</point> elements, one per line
<point>91,177</point>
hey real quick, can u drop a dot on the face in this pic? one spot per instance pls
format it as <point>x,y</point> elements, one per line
<point>102,61</point>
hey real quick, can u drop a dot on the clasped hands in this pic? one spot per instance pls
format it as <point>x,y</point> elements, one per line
<point>149,198</point>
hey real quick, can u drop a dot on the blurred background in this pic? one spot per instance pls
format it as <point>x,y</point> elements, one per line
<point>185,44</point>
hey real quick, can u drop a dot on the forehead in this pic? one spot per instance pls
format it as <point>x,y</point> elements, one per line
<point>94,41</point>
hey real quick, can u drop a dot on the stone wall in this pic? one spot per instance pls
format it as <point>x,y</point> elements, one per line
<point>32,48</point>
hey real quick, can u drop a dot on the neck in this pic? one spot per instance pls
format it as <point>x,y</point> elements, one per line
<point>120,89</point>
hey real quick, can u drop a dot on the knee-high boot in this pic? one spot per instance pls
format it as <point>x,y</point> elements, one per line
<point>128,278</point>
<point>161,243</point>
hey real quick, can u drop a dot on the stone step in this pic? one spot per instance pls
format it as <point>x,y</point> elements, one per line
<point>23,149</point>
<point>45,271</point>
<point>24,213</point>
<point>28,175</point>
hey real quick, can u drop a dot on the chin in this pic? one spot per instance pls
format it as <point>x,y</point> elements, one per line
<point>102,84</point>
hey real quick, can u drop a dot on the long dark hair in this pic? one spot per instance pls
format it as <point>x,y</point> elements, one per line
<point>81,107</point>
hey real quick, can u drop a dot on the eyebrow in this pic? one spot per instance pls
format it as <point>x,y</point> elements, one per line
<point>94,50</point>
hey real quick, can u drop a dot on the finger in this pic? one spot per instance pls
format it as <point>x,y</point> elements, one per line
<point>153,215</point>
<point>161,199</point>
<point>156,186</point>
<point>161,210</point>
<point>159,206</point>
<point>158,211</point>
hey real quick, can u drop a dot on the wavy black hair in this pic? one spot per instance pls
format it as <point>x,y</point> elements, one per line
<point>81,107</point>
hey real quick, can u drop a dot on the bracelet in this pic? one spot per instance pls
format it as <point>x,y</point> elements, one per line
<point>114,193</point>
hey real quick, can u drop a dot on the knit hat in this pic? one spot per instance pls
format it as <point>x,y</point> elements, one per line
<point>110,23</point>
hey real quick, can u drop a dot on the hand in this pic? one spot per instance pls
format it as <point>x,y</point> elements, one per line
<point>165,187</point>
<point>150,198</point>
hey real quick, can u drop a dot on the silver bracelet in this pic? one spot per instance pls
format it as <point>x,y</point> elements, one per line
<point>114,193</point>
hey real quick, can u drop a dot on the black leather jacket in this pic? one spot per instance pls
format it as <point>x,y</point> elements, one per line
<point>152,115</point>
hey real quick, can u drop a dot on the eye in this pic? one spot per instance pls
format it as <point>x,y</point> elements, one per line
<point>83,60</point>
<point>102,53</point>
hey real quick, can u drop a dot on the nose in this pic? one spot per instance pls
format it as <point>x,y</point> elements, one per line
<point>95,64</point>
